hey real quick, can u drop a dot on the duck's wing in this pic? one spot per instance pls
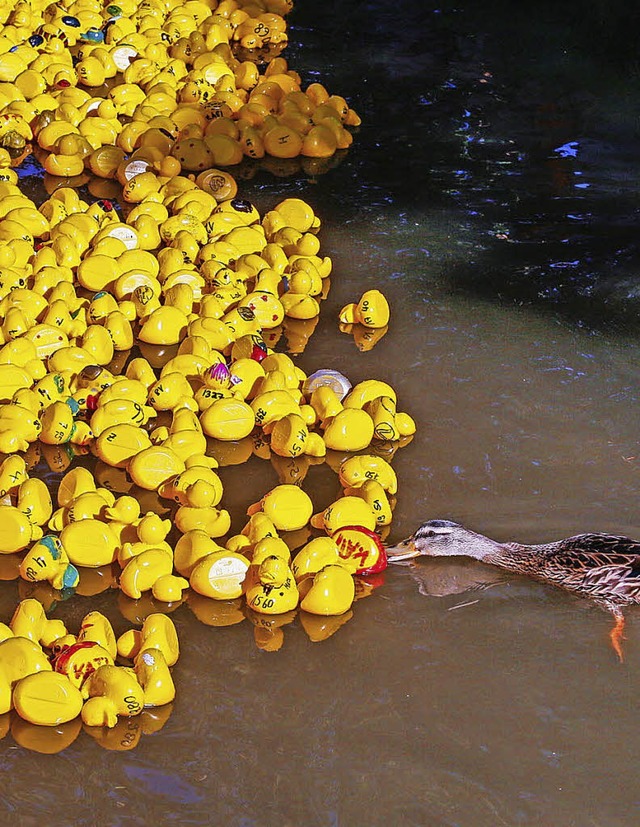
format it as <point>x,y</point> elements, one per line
<point>599,565</point>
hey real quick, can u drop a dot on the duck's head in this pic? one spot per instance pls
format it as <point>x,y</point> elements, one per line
<point>435,538</point>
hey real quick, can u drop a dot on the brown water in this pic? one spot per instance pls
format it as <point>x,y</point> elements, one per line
<point>500,706</point>
<point>433,704</point>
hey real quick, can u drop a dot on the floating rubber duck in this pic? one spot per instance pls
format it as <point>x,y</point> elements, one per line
<point>90,543</point>
<point>142,571</point>
<point>345,511</point>
<point>355,471</point>
<point>228,419</point>
<point>170,392</point>
<point>111,691</point>
<point>275,591</point>
<point>332,592</point>
<point>194,545</point>
<point>360,549</point>
<point>48,560</point>
<point>88,505</point>
<point>19,427</point>
<point>13,472</point>
<point>19,657</point>
<point>151,532</point>
<point>350,430</point>
<point>184,436</point>
<point>155,678</point>
<point>158,632</point>
<point>200,511</point>
<point>30,621</point>
<point>47,699</point>
<point>98,629</point>
<point>17,532</point>
<point>376,498</point>
<point>220,575</point>
<point>118,444</point>
<point>177,488</point>
<point>286,506</point>
<point>80,660</point>
<point>315,555</point>
<point>372,310</point>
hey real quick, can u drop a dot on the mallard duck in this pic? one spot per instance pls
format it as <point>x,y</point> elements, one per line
<point>603,567</point>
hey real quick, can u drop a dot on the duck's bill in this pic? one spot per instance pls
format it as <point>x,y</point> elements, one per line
<point>403,551</point>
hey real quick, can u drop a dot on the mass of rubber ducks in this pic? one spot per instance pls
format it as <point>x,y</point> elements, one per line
<point>142,339</point>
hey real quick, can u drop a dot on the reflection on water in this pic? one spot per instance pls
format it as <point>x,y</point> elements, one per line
<point>432,704</point>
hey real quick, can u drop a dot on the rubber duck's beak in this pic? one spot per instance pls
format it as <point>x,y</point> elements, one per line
<point>403,551</point>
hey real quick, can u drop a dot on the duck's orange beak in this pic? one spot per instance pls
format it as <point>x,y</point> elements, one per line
<point>403,551</point>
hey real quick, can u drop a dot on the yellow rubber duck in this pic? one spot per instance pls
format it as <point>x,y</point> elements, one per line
<point>350,430</point>
<point>372,310</point>
<point>119,444</point>
<point>376,498</point>
<point>355,471</point>
<point>153,466</point>
<point>17,532</point>
<point>13,472</point>
<point>275,591</point>
<point>313,556</point>
<point>155,678</point>
<point>164,326</point>
<point>19,657</point>
<point>169,588</point>
<point>194,545</point>
<point>171,392</point>
<point>111,691</point>
<point>120,411</point>
<point>48,560</point>
<point>184,436</point>
<point>46,699</point>
<point>90,543</point>
<point>98,629</point>
<point>345,511</point>
<point>158,632</point>
<point>177,488</point>
<point>80,660</point>
<point>29,620</point>
<point>142,571</point>
<point>332,592</point>
<point>228,419</point>
<point>151,531</point>
<point>288,507</point>
<point>200,511</point>
<point>220,575</point>
<point>19,427</point>
<point>88,505</point>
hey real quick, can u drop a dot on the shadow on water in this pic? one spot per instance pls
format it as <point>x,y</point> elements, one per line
<point>515,125</point>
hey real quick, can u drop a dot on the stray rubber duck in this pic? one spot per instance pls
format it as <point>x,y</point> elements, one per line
<point>603,567</point>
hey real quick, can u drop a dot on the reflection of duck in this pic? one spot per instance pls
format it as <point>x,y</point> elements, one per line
<point>604,567</point>
<point>441,577</point>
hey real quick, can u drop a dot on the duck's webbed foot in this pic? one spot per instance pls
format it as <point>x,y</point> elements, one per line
<point>616,635</point>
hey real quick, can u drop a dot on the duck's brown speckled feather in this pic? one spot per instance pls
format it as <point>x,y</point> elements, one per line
<point>604,567</point>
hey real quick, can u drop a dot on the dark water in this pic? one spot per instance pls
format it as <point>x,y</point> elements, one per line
<point>491,193</point>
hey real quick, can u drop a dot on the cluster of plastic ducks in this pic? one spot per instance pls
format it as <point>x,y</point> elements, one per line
<point>51,677</point>
<point>203,288</point>
<point>114,87</point>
